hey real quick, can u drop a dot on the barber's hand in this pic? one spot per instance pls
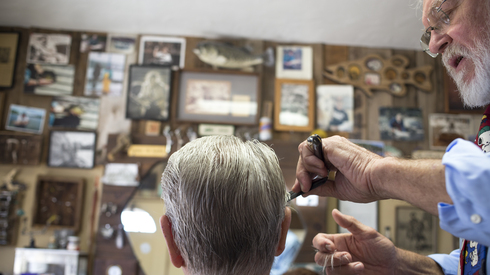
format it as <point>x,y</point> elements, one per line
<point>363,251</point>
<point>354,165</point>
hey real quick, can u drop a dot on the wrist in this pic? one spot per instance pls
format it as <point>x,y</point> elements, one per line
<point>382,179</point>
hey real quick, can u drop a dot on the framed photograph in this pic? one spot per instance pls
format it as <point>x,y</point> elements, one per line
<point>335,108</point>
<point>105,74</point>
<point>72,149</point>
<point>294,105</point>
<point>401,124</point>
<point>294,62</point>
<point>218,97</point>
<point>160,50</point>
<point>367,213</point>
<point>149,92</point>
<point>42,79</point>
<point>416,230</point>
<point>49,48</point>
<point>74,112</point>
<point>25,119</point>
<point>93,42</point>
<point>9,42</point>
<point>121,174</point>
<point>444,128</point>
<point>122,43</point>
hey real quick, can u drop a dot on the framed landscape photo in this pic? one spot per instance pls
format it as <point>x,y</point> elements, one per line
<point>218,97</point>
<point>294,105</point>
<point>49,48</point>
<point>161,50</point>
<point>74,112</point>
<point>72,149</point>
<point>148,94</point>
<point>105,74</point>
<point>416,230</point>
<point>9,42</point>
<point>45,79</point>
<point>294,62</point>
<point>25,119</point>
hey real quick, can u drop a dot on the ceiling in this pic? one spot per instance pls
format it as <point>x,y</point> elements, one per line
<point>370,23</point>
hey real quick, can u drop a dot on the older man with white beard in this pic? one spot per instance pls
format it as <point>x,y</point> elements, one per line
<point>456,189</point>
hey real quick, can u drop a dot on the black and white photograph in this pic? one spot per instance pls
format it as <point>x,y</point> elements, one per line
<point>161,50</point>
<point>25,119</point>
<point>93,42</point>
<point>51,80</point>
<point>121,43</point>
<point>416,230</point>
<point>105,74</point>
<point>72,149</point>
<point>49,48</point>
<point>149,92</point>
<point>444,128</point>
<point>335,108</point>
<point>74,112</point>
<point>294,62</point>
<point>404,124</point>
<point>121,174</point>
<point>294,105</point>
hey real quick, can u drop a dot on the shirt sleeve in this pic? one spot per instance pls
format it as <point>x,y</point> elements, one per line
<point>468,184</point>
<point>448,263</point>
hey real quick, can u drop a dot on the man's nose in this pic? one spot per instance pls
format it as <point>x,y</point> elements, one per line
<point>439,42</point>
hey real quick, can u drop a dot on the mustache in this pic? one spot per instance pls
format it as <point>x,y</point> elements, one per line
<point>453,50</point>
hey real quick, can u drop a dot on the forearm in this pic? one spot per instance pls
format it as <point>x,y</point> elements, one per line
<point>419,182</point>
<point>413,263</point>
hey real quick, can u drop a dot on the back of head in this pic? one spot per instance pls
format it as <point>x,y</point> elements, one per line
<point>225,199</point>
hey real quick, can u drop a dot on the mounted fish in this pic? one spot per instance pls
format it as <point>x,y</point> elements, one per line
<point>373,73</point>
<point>222,55</point>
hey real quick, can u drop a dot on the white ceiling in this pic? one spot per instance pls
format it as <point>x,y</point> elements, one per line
<point>371,23</point>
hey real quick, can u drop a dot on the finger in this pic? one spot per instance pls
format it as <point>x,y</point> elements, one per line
<point>351,268</point>
<point>324,243</point>
<point>303,178</point>
<point>333,259</point>
<point>348,222</point>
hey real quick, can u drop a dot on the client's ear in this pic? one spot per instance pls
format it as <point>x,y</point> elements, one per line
<point>284,231</point>
<point>173,250</point>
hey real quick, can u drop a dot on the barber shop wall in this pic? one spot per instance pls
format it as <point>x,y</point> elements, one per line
<point>366,127</point>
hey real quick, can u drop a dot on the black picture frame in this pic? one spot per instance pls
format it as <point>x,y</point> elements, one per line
<point>9,52</point>
<point>147,101</point>
<point>72,149</point>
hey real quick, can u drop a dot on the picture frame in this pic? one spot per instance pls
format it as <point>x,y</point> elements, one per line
<point>49,48</point>
<point>416,230</point>
<point>366,213</point>
<point>294,62</point>
<point>218,97</point>
<point>48,79</point>
<point>61,197</point>
<point>162,50</point>
<point>105,74</point>
<point>25,119</point>
<point>149,92</point>
<point>20,149</point>
<point>121,43</point>
<point>294,108</point>
<point>402,124</point>
<point>335,108</point>
<point>93,42</point>
<point>72,149</point>
<point>444,128</point>
<point>74,112</point>
<point>9,44</point>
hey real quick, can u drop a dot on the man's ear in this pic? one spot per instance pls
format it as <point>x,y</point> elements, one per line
<point>284,231</point>
<point>173,250</point>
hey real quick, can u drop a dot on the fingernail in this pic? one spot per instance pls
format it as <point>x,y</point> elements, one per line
<point>301,185</point>
<point>358,267</point>
<point>328,247</point>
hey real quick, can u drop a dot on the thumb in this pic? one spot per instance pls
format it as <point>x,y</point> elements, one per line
<point>348,222</point>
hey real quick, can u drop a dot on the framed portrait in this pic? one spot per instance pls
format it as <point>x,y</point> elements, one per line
<point>294,105</point>
<point>404,124</point>
<point>72,149</point>
<point>294,62</point>
<point>148,94</point>
<point>161,50</point>
<point>416,230</point>
<point>218,97</point>
<point>367,213</point>
<point>9,42</point>
<point>49,48</point>
<point>25,119</point>
<point>335,107</point>
<point>122,43</point>
<point>444,128</point>
<point>45,79</point>
<point>105,74</point>
<point>93,42</point>
<point>74,112</point>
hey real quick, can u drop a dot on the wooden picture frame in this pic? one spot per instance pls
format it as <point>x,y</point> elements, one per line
<point>9,44</point>
<point>60,196</point>
<point>294,108</point>
<point>218,97</point>
<point>416,230</point>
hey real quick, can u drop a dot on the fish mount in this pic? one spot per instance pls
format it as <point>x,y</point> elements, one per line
<point>373,73</point>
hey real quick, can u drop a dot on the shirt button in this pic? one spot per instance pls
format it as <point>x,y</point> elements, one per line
<point>475,218</point>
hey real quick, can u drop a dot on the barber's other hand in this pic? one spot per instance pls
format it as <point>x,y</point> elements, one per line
<point>363,251</point>
<point>354,164</point>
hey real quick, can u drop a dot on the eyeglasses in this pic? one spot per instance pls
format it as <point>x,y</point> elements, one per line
<point>440,20</point>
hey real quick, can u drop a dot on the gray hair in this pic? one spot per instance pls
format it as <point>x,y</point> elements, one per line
<point>225,199</point>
